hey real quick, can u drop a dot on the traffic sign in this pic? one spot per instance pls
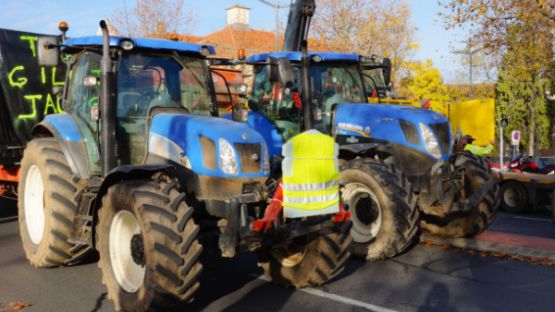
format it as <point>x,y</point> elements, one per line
<point>515,137</point>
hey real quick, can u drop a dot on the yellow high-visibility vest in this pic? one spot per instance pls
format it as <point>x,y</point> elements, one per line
<point>310,175</point>
<point>479,150</point>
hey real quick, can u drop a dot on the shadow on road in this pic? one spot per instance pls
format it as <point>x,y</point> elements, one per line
<point>8,209</point>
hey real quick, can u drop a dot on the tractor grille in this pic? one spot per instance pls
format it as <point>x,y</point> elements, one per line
<point>441,131</point>
<point>250,156</point>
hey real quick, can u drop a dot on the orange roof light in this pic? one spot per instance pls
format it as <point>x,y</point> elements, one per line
<point>63,26</point>
<point>241,54</point>
<point>174,37</point>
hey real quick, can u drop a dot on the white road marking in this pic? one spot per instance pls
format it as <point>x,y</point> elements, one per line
<point>346,300</point>
<point>532,219</point>
<point>338,298</point>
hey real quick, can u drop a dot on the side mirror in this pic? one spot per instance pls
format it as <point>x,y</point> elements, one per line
<point>239,111</point>
<point>285,71</point>
<point>48,51</point>
<point>272,69</point>
<point>387,71</point>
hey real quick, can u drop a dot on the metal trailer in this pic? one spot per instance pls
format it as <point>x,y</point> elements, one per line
<point>520,191</point>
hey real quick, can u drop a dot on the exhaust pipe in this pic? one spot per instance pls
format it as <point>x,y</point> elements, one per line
<point>107,105</point>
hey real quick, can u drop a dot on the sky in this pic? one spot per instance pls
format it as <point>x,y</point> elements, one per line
<point>42,16</point>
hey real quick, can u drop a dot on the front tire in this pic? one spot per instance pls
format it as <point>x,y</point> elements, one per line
<point>47,206</point>
<point>383,209</point>
<point>147,240</point>
<point>475,221</point>
<point>308,261</point>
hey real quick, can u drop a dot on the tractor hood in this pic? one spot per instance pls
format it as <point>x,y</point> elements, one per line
<point>418,129</point>
<point>208,145</point>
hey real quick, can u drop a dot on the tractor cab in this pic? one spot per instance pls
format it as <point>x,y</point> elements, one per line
<point>149,76</point>
<point>334,78</point>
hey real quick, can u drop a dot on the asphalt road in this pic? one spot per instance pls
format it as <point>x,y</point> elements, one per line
<point>424,279</point>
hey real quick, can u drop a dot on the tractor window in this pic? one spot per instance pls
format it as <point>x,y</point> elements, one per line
<point>374,82</point>
<point>333,83</point>
<point>149,81</point>
<point>269,98</point>
<point>82,97</point>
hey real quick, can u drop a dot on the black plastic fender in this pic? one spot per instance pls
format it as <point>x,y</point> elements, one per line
<point>129,172</point>
<point>364,149</point>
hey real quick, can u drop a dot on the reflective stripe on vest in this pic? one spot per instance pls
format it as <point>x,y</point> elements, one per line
<point>310,175</point>
<point>311,199</point>
<point>310,186</point>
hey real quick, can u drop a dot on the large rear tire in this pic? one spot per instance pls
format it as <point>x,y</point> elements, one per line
<point>308,260</point>
<point>47,206</point>
<point>383,209</point>
<point>147,240</point>
<point>473,222</point>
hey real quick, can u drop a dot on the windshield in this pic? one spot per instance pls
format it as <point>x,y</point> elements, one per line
<point>331,83</point>
<point>146,81</point>
<point>374,82</point>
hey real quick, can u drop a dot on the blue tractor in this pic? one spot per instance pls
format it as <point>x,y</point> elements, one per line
<point>140,169</point>
<point>393,156</point>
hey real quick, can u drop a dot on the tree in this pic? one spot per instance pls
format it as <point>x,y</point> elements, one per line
<point>154,18</point>
<point>366,27</point>
<point>520,97</point>
<point>424,82</point>
<point>521,33</point>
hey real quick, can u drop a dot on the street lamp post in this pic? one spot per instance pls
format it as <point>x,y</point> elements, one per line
<point>502,124</point>
<point>470,53</point>
<point>277,6</point>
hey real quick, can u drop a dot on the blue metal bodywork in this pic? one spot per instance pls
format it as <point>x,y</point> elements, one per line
<point>143,43</point>
<point>183,132</point>
<point>181,136</point>
<point>267,129</point>
<point>380,122</point>
<point>374,122</point>
<point>296,56</point>
<point>65,126</point>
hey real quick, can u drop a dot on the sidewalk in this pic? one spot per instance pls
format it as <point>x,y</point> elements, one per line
<point>514,236</point>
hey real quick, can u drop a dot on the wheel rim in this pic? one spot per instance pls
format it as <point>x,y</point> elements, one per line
<point>292,254</point>
<point>34,204</point>
<point>512,196</point>
<point>124,229</point>
<point>366,211</point>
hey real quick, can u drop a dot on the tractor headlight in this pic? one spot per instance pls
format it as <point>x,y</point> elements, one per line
<point>266,159</point>
<point>430,141</point>
<point>228,160</point>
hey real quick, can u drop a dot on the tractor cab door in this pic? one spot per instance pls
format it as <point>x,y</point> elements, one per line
<point>81,101</point>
